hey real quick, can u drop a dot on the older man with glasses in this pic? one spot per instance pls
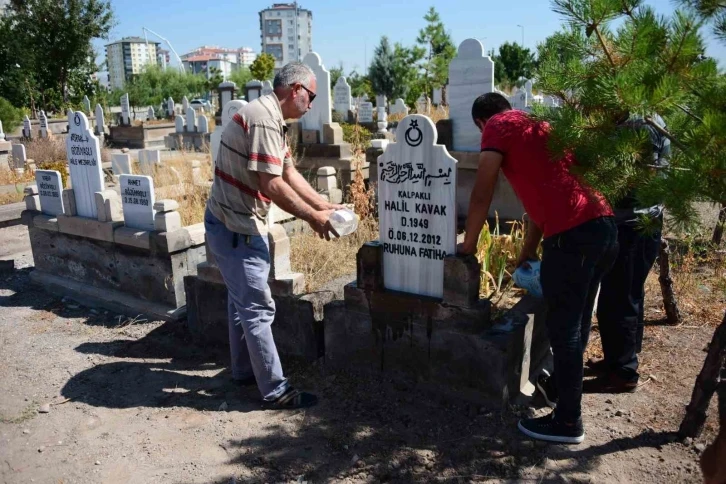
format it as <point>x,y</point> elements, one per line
<point>254,168</point>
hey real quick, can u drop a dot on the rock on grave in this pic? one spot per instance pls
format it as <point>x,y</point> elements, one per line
<point>191,120</point>
<point>125,110</point>
<point>185,105</point>
<point>179,124</point>
<point>137,200</point>
<point>319,114</point>
<point>170,107</point>
<point>399,107</point>
<point>121,164</point>
<point>19,157</point>
<point>266,88</point>
<point>84,161</point>
<point>27,131</point>
<point>100,121</point>
<point>365,112</point>
<point>341,96</point>
<point>50,190</point>
<point>471,74</point>
<point>417,208</point>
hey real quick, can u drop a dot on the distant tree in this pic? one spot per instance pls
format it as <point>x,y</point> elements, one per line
<point>440,51</point>
<point>512,63</point>
<point>241,76</point>
<point>407,78</point>
<point>263,67</point>
<point>360,85</point>
<point>47,55</point>
<point>10,116</point>
<point>380,71</point>
<point>154,85</point>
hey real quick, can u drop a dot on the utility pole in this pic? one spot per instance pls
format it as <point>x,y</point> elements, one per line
<point>522,27</point>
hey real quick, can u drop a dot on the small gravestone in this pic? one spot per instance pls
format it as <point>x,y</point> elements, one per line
<point>191,120</point>
<point>519,99</point>
<point>319,114</point>
<point>100,121</point>
<point>84,161</point>
<point>150,116</point>
<point>87,105</point>
<point>252,90</point>
<point>202,124</point>
<point>365,112</point>
<point>50,190</point>
<point>19,157</point>
<point>43,120</point>
<point>121,164</point>
<point>148,159</point>
<point>423,105</point>
<point>341,96</point>
<point>230,109</point>
<point>381,101</point>
<point>399,107</point>
<point>125,110</point>
<point>179,124</point>
<point>137,199</point>
<point>266,88</point>
<point>170,107</point>
<point>471,74</point>
<point>417,208</point>
<point>438,96</point>
<point>226,92</point>
<point>27,131</point>
<point>2,135</point>
<point>185,105</point>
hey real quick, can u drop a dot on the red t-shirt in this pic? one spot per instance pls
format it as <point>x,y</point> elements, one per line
<point>555,199</point>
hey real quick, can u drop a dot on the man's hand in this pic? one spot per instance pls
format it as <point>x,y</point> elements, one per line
<point>466,248</point>
<point>320,223</point>
<point>324,205</point>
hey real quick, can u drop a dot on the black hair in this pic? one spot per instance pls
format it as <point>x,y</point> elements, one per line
<point>489,104</point>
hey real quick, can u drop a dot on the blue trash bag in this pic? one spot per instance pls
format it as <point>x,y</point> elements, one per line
<point>528,278</point>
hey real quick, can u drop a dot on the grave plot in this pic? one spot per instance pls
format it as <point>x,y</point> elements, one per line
<point>137,133</point>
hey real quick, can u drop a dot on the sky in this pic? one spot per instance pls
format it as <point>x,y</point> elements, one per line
<point>346,31</point>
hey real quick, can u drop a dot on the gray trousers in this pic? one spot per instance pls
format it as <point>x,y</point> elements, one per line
<point>244,262</point>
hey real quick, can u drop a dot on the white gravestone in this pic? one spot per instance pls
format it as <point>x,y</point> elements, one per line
<point>202,124</point>
<point>438,96</point>
<point>19,157</point>
<point>185,105</point>
<point>253,90</point>
<point>150,116</point>
<point>365,112</point>
<point>100,121</point>
<point>266,88</point>
<point>84,161</point>
<point>137,199</point>
<point>423,105</point>
<point>417,208</point>
<point>381,101</point>
<point>471,74</point>
<point>230,109</point>
<point>2,135</point>
<point>43,120</point>
<point>191,120</point>
<point>341,96</point>
<point>179,124</point>
<point>226,91</point>
<point>170,107</point>
<point>27,132</point>
<point>121,164</point>
<point>382,120</point>
<point>125,110</point>
<point>399,107</point>
<point>148,159</point>
<point>50,190</point>
<point>87,105</point>
<point>320,113</point>
<point>519,99</point>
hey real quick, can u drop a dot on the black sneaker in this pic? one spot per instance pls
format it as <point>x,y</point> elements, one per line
<point>546,386</point>
<point>550,429</point>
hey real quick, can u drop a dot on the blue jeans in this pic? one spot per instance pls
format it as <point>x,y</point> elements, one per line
<point>573,264</point>
<point>244,261</point>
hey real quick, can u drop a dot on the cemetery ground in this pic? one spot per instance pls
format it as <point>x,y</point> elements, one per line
<point>87,396</point>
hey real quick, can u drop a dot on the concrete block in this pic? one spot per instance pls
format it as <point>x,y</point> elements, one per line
<point>108,206</point>
<point>196,233</point>
<point>326,171</point>
<point>46,222</point>
<point>69,203</point>
<point>369,265</point>
<point>332,134</point>
<point>167,221</point>
<point>30,190</point>
<point>279,251</point>
<point>311,136</point>
<point>170,242</point>
<point>461,281</point>
<point>291,284</point>
<point>87,227</point>
<point>445,131</point>
<point>27,216</point>
<point>32,202</point>
<point>166,205</point>
<point>335,195</point>
<point>140,239</point>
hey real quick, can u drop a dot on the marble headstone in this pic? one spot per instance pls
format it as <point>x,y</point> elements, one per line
<point>320,113</point>
<point>423,105</point>
<point>170,107</point>
<point>471,74</point>
<point>417,208</point>
<point>266,88</point>
<point>19,156</point>
<point>226,91</point>
<point>84,161</point>
<point>125,110</point>
<point>230,109</point>
<point>100,121</point>
<point>150,116</point>
<point>27,130</point>
<point>438,96</point>
<point>399,107</point>
<point>191,120</point>
<point>365,112</point>
<point>341,96</point>
<point>179,124</point>
<point>43,120</point>
<point>185,105</point>
<point>252,90</point>
<point>137,199</point>
<point>381,101</point>
<point>121,164</point>
<point>202,124</point>
<point>2,135</point>
<point>50,190</point>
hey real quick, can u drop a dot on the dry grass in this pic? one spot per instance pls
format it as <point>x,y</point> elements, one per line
<point>436,113</point>
<point>497,255</point>
<point>7,198</point>
<point>11,177</point>
<point>52,150</point>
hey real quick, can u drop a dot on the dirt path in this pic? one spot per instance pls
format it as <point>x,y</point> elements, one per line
<point>138,402</point>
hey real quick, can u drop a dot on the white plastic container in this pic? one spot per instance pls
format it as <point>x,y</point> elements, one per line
<point>528,278</point>
<point>344,221</point>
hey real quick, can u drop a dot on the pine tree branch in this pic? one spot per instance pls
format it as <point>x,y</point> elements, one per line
<point>665,133</point>
<point>602,44</point>
<point>689,113</point>
<point>678,52</point>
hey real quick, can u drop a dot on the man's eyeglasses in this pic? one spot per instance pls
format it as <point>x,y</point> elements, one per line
<point>311,94</point>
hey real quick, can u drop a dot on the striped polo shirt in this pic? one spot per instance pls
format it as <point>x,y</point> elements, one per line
<point>254,141</point>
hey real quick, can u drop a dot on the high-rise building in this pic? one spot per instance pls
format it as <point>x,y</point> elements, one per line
<point>246,56</point>
<point>286,32</point>
<point>163,58</point>
<point>127,57</point>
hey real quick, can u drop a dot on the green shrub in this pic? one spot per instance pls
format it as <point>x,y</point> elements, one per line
<point>10,116</point>
<point>338,117</point>
<point>358,136</point>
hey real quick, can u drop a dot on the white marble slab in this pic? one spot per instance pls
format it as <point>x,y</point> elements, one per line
<point>50,190</point>
<point>121,164</point>
<point>341,96</point>
<point>365,112</point>
<point>137,199</point>
<point>319,113</point>
<point>84,161</point>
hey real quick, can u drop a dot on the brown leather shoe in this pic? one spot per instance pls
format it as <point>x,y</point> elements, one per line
<point>610,383</point>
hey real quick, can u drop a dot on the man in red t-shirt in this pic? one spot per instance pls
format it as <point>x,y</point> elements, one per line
<point>580,243</point>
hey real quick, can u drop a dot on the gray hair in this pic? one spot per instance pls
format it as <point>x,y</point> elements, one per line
<point>293,73</point>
